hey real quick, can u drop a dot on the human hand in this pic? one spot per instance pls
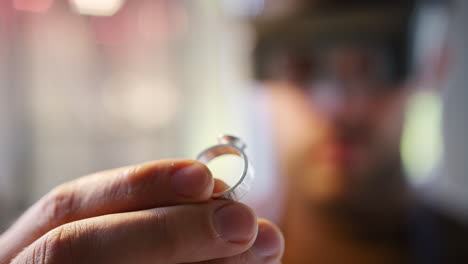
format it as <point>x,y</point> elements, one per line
<point>157,212</point>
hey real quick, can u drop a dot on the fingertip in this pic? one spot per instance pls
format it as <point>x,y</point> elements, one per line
<point>192,179</point>
<point>269,244</point>
<point>235,223</point>
<point>219,186</point>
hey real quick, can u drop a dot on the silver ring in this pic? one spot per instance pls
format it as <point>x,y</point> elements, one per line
<point>230,145</point>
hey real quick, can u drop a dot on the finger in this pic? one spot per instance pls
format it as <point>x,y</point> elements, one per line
<point>219,186</point>
<point>184,233</point>
<point>269,244</point>
<point>139,187</point>
<point>268,247</point>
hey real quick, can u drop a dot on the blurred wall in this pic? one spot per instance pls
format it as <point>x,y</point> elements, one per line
<point>450,191</point>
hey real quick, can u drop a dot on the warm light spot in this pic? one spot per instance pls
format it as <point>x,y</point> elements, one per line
<point>142,103</point>
<point>36,6</point>
<point>97,7</point>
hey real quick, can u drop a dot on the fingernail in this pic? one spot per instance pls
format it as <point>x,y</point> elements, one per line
<point>268,242</point>
<point>235,222</point>
<point>191,180</point>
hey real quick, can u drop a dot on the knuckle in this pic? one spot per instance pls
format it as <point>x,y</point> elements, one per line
<point>55,247</point>
<point>176,233</point>
<point>167,241</point>
<point>66,244</point>
<point>59,205</point>
<point>172,239</point>
<point>135,180</point>
<point>33,255</point>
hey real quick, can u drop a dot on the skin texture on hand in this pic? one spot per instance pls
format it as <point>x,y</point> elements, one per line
<point>157,212</point>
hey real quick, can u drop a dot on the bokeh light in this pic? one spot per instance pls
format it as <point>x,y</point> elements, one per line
<point>421,146</point>
<point>140,102</point>
<point>36,6</point>
<point>97,7</point>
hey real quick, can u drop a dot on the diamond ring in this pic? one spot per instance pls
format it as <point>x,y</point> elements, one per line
<point>228,144</point>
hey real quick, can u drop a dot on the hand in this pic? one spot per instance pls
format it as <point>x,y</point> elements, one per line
<point>158,212</point>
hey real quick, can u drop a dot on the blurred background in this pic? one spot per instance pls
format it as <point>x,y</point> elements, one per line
<point>89,85</point>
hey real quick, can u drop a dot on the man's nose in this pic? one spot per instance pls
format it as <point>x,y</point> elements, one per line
<point>341,105</point>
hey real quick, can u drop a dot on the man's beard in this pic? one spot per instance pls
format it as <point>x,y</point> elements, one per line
<point>375,208</point>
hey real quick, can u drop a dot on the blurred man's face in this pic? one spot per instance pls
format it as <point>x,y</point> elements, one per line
<point>339,132</point>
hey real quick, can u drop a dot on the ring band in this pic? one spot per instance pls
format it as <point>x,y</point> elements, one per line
<point>230,145</point>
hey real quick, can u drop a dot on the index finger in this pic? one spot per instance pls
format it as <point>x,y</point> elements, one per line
<point>132,188</point>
